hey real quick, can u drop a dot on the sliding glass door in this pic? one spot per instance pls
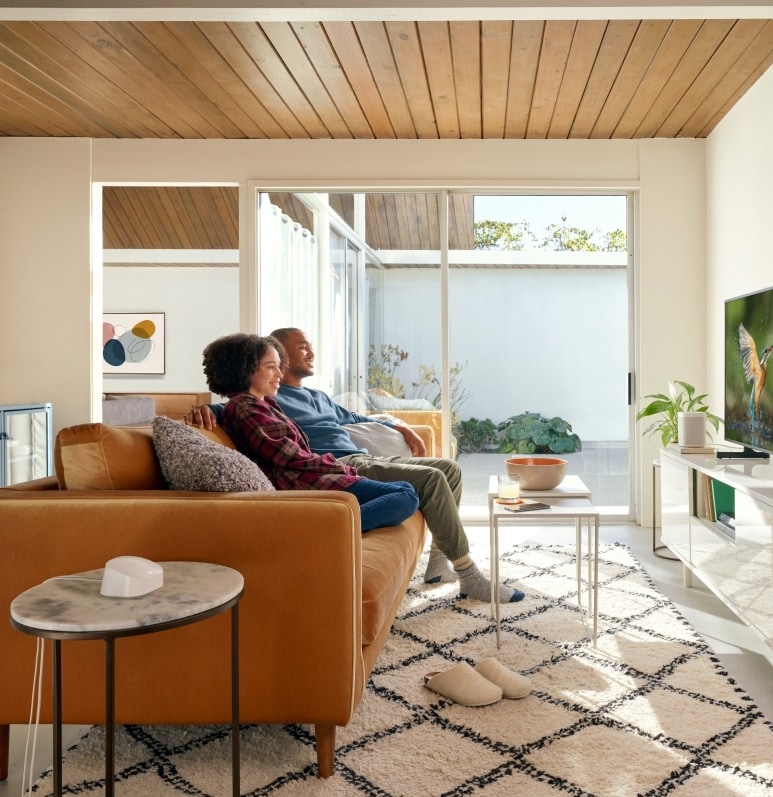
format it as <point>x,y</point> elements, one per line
<point>534,293</point>
<point>539,339</point>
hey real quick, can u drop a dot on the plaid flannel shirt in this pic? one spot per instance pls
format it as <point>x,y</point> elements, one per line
<point>262,432</point>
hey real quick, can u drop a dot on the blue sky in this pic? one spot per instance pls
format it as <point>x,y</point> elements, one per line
<point>585,212</point>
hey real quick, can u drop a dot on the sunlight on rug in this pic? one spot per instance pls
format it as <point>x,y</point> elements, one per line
<point>650,712</point>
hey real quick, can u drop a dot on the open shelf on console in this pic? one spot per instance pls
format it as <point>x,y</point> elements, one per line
<point>714,504</point>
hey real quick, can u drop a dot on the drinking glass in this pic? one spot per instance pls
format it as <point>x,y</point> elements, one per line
<point>509,486</point>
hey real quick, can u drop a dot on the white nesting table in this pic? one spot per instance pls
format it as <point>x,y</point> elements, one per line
<point>570,500</point>
<point>72,608</point>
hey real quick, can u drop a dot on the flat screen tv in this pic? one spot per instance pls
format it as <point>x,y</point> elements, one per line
<point>748,396</point>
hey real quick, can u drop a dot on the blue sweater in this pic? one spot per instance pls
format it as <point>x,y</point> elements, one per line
<point>320,418</point>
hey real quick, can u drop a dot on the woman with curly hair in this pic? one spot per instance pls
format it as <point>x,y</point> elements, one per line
<point>248,370</point>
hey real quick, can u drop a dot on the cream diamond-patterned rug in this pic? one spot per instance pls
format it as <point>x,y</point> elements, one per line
<point>650,712</point>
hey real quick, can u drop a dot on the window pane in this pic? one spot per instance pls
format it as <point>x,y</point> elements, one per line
<point>539,325</point>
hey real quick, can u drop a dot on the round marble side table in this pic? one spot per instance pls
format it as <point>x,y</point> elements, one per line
<point>72,608</point>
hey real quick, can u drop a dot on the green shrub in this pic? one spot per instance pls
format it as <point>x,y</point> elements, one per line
<point>530,433</point>
<point>472,435</point>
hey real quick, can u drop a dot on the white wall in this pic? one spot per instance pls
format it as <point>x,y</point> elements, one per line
<point>200,304</point>
<point>46,293</point>
<point>740,178</point>
<point>503,334</point>
<point>671,286</point>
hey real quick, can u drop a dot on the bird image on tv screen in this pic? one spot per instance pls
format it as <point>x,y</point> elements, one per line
<point>755,368</point>
<point>748,346</point>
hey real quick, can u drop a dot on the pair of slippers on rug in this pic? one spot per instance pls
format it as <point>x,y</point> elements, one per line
<point>481,685</point>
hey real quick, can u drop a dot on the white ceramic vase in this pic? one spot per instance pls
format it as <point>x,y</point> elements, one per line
<point>691,427</point>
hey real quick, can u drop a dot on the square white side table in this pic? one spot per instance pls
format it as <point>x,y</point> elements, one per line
<point>570,500</point>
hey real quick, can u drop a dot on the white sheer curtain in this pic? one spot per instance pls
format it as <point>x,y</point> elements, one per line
<point>289,268</point>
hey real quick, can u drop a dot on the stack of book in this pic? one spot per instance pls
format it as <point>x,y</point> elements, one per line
<point>720,506</point>
<point>680,449</point>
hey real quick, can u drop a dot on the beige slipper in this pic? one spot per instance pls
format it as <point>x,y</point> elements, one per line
<point>513,684</point>
<point>464,686</point>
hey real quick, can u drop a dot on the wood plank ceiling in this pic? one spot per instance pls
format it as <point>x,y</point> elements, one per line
<point>170,218</point>
<point>208,218</point>
<point>456,79</point>
<point>364,80</point>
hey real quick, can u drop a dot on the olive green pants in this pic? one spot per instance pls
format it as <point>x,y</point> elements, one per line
<point>439,485</point>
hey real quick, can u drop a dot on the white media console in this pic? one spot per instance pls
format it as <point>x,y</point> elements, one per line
<point>734,563</point>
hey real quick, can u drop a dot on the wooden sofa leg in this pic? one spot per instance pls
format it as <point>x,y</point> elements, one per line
<point>326,749</point>
<point>5,741</point>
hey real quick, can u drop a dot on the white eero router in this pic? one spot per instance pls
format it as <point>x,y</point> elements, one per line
<point>130,577</point>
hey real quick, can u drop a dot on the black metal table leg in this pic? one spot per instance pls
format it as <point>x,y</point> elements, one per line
<point>235,757</point>
<point>56,664</point>
<point>109,717</point>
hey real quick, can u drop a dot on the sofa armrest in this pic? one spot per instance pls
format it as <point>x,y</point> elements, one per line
<point>427,434</point>
<point>431,418</point>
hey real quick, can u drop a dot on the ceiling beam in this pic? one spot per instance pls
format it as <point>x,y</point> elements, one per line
<point>377,10</point>
<point>165,257</point>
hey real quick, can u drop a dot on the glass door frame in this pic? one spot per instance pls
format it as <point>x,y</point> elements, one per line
<point>250,277</point>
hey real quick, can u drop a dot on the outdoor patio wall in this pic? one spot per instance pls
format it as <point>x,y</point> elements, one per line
<point>504,322</point>
<point>45,224</point>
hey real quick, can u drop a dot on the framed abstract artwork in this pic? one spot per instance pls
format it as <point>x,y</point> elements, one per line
<point>133,343</point>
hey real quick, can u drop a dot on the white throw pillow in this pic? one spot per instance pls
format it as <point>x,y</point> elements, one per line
<point>380,400</point>
<point>378,439</point>
<point>190,461</point>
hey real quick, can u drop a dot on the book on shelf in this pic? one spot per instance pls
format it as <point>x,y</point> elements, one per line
<point>692,449</point>
<point>723,505</point>
<point>708,497</point>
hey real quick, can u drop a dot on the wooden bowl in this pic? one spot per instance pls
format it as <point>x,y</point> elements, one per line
<point>537,473</point>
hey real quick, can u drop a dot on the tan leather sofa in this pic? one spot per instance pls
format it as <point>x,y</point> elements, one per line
<point>318,604</point>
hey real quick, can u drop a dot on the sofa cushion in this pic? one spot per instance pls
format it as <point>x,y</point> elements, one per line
<point>191,461</point>
<point>381,400</point>
<point>95,456</point>
<point>378,439</point>
<point>216,435</point>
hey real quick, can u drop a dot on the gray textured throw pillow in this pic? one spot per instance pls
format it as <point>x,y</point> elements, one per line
<point>189,461</point>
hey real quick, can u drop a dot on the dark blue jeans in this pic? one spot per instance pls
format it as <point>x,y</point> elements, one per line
<point>384,503</point>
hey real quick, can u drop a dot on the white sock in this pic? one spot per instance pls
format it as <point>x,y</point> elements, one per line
<point>439,570</point>
<point>473,584</point>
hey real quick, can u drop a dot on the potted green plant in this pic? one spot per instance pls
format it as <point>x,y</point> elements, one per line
<point>681,400</point>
